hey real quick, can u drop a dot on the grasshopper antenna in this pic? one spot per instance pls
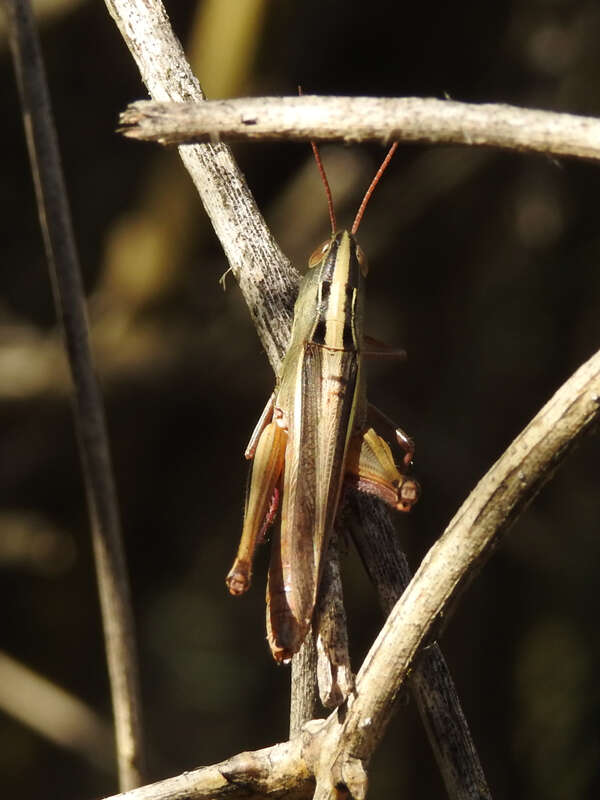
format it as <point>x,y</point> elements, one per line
<point>369,192</point>
<point>323,175</point>
<point>321,168</point>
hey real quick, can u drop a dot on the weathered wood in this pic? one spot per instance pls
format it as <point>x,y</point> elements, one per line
<point>366,119</point>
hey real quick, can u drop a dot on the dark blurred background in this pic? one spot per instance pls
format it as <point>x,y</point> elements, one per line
<point>484,265</point>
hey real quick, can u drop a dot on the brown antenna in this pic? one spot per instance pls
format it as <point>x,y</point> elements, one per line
<point>369,192</point>
<point>327,187</point>
<point>323,175</point>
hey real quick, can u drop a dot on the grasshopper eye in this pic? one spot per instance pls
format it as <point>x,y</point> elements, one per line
<point>318,254</point>
<point>362,261</point>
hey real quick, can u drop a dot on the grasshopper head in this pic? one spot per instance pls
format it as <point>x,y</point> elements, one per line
<point>337,270</point>
<point>325,255</point>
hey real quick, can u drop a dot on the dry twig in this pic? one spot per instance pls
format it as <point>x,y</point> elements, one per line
<point>363,119</point>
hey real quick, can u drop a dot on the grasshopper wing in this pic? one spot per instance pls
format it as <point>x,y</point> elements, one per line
<point>318,434</point>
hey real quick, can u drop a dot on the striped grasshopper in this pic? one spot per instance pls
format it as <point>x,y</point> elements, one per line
<point>315,434</point>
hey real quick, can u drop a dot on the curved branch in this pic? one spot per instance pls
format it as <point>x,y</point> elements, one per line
<point>452,562</point>
<point>362,119</point>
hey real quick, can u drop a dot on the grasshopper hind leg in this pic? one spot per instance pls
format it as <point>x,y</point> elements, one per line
<point>370,468</point>
<point>261,504</point>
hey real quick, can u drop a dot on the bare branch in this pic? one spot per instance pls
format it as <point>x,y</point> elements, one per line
<point>362,119</point>
<point>55,221</point>
<point>279,771</point>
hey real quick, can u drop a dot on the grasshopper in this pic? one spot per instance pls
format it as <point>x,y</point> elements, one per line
<point>315,434</point>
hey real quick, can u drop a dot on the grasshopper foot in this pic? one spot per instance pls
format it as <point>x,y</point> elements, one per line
<point>239,578</point>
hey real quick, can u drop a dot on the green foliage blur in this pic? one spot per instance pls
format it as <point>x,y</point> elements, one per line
<point>484,266</point>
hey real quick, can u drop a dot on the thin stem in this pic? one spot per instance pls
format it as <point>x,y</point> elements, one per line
<point>69,298</point>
